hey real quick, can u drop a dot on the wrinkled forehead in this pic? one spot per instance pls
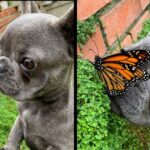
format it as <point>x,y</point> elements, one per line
<point>31,26</point>
<point>33,31</point>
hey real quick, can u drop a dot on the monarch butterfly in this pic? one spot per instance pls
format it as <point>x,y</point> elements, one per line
<point>119,71</point>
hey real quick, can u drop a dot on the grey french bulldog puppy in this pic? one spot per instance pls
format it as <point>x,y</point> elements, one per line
<point>135,104</point>
<point>37,69</point>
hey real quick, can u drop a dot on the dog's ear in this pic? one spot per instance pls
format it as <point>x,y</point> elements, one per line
<point>29,7</point>
<point>66,24</point>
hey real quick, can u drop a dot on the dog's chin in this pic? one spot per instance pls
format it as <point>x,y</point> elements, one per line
<point>16,93</point>
<point>24,95</point>
<point>20,91</point>
<point>20,96</point>
<point>11,91</point>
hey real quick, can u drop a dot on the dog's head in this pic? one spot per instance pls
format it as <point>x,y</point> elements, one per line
<point>36,53</point>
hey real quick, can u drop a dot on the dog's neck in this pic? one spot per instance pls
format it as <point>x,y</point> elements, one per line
<point>58,94</point>
<point>64,92</point>
<point>53,101</point>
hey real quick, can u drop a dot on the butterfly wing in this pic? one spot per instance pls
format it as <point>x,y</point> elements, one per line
<point>122,70</point>
<point>114,81</point>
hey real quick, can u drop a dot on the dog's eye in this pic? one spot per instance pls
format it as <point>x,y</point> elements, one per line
<point>28,63</point>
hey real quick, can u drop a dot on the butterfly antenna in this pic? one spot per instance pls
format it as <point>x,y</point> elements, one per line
<point>93,51</point>
<point>96,48</point>
<point>95,44</point>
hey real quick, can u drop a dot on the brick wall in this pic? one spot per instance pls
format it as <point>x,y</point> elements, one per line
<point>122,18</point>
<point>6,16</point>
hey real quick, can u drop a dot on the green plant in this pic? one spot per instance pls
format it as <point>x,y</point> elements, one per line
<point>118,41</point>
<point>8,114</point>
<point>98,128</point>
<point>91,108</point>
<point>86,28</point>
<point>145,30</point>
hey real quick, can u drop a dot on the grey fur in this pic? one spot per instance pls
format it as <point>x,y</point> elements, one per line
<point>135,104</point>
<point>45,95</point>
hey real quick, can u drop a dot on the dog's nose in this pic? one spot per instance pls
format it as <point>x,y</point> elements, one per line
<point>3,65</point>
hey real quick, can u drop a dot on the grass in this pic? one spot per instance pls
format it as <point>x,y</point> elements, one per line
<point>145,30</point>
<point>8,114</point>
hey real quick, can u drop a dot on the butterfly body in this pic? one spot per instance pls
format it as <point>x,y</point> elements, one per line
<point>119,71</point>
